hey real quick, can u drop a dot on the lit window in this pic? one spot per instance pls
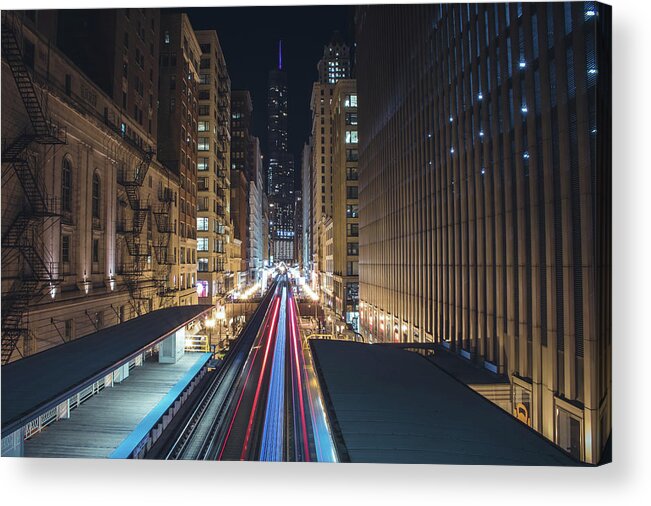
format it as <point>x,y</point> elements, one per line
<point>202,244</point>
<point>522,64</point>
<point>351,137</point>
<point>204,126</point>
<point>351,101</point>
<point>202,224</point>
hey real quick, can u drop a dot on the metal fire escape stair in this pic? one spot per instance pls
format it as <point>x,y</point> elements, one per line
<point>165,227</point>
<point>138,248</point>
<point>24,234</point>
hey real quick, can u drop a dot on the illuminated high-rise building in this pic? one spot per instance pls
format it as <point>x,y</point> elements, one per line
<point>280,168</point>
<point>333,66</point>
<point>213,170</point>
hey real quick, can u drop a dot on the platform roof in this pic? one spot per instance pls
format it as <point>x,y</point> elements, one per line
<point>37,383</point>
<point>394,406</point>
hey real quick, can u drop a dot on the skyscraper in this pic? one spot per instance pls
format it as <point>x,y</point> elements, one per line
<point>241,170</point>
<point>345,215</point>
<point>177,134</point>
<point>213,169</point>
<point>280,167</point>
<point>306,185</point>
<point>333,66</point>
<point>484,185</point>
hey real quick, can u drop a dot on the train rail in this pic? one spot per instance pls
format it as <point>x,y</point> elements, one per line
<point>196,440</point>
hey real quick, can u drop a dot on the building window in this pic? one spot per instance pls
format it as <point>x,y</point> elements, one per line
<point>203,164</point>
<point>96,195</point>
<point>352,230</point>
<point>522,404</point>
<point>95,251</point>
<point>203,265</point>
<point>350,101</point>
<point>65,249</point>
<point>202,244</point>
<point>352,269</point>
<point>202,224</point>
<point>352,211</point>
<point>204,126</point>
<point>351,118</point>
<point>352,155</point>
<point>568,432</point>
<point>352,174</point>
<point>351,137</point>
<point>204,144</point>
<point>353,249</point>
<point>66,186</point>
<point>167,37</point>
<point>351,192</point>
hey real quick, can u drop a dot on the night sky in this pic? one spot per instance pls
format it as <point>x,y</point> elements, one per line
<point>249,38</point>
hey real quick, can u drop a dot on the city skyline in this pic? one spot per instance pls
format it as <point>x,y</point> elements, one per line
<point>304,31</point>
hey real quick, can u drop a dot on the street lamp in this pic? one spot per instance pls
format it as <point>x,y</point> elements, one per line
<point>221,316</point>
<point>315,299</point>
<point>210,324</point>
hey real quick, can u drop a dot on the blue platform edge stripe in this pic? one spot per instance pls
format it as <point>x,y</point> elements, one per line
<point>131,442</point>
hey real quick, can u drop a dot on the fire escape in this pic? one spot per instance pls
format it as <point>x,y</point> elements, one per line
<point>24,236</point>
<point>223,171</point>
<point>139,249</point>
<point>165,227</point>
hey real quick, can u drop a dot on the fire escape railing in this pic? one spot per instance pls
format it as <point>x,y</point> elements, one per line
<point>165,228</point>
<point>24,234</point>
<point>139,249</point>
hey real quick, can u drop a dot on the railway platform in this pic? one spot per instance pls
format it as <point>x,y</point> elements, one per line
<point>109,394</point>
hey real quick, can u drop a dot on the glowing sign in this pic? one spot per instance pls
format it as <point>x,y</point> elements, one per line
<point>202,288</point>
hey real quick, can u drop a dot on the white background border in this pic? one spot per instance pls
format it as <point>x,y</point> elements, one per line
<point>626,481</point>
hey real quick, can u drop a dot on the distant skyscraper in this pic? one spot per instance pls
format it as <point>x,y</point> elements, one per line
<point>306,184</point>
<point>241,169</point>
<point>280,168</point>
<point>335,63</point>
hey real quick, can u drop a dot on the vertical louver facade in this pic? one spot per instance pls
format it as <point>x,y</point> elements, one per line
<point>484,197</point>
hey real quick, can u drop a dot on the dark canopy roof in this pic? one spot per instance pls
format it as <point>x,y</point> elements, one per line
<point>395,406</point>
<point>35,384</point>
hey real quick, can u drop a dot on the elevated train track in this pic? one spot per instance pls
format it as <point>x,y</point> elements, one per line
<point>260,404</point>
